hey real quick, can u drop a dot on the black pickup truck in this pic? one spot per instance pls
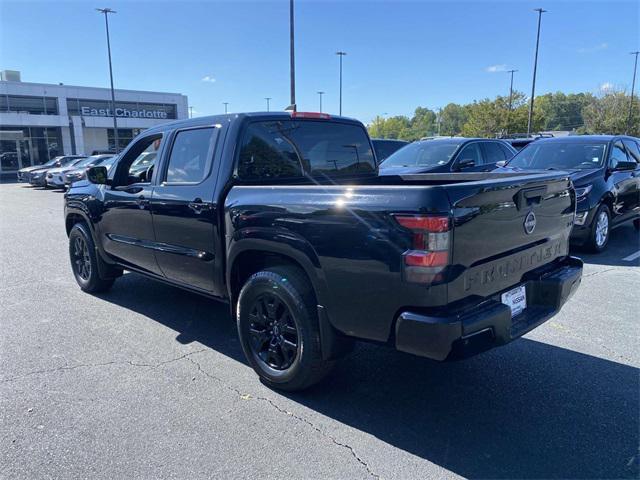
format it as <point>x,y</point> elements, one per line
<point>283,216</point>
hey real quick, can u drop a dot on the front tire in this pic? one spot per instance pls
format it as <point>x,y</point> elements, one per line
<point>84,261</point>
<point>600,230</point>
<point>278,329</point>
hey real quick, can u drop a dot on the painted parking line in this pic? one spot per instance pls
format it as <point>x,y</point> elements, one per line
<point>632,257</point>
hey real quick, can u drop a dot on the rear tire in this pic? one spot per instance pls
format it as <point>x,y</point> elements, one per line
<point>278,328</point>
<point>600,230</point>
<point>84,261</point>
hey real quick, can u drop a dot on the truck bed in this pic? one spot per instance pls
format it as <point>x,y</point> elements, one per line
<point>349,236</point>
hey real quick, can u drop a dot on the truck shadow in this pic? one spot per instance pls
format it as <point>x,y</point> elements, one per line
<point>527,410</point>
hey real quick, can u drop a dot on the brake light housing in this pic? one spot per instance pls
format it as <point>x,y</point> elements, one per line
<point>430,251</point>
<point>324,116</point>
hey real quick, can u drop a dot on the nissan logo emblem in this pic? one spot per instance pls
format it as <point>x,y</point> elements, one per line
<point>529,223</point>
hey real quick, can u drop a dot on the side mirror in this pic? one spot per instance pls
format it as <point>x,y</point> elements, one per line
<point>624,165</point>
<point>97,175</point>
<point>466,163</point>
<point>501,163</point>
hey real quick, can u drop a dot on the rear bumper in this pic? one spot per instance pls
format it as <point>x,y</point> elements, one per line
<point>489,324</point>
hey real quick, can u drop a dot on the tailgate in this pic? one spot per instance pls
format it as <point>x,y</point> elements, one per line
<point>504,228</point>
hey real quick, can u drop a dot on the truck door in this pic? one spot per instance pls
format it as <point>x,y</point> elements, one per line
<point>126,228</point>
<point>185,217</point>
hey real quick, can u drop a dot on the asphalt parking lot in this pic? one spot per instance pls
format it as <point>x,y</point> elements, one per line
<point>148,381</point>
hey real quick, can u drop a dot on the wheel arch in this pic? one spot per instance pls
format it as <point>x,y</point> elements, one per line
<point>250,256</point>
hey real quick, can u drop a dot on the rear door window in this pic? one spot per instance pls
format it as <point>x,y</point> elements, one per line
<point>292,149</point>
<point>507,153</point>
<point>492,152</point>
<point>191,155</point>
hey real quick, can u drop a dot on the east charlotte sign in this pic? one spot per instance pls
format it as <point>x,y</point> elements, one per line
<point>123,112</point>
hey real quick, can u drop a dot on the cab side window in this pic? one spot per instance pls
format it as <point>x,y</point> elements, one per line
<point>618,154</point>
<point>471,152</point>
<point>191,155</point>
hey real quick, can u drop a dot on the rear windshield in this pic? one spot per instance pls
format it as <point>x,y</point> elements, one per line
<point>427,153</point>
<point>293,149</point>
<point>560,156</point>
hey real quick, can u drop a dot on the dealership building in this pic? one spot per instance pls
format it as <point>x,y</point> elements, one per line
<point>39,121</point>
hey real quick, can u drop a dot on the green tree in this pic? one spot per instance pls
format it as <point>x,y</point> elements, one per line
<point>562,112</point>
<point>452,118</point>
<point>609,113</point>
<point>422,124</point>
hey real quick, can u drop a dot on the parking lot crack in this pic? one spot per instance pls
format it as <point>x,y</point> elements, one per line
<point>95,365</point>
<point>282,410</point>
<point>593,274</point>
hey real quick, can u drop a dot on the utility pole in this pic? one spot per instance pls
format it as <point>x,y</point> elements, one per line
<point>633,84</point>
<point>320,95</point>
<point>191,112</point>
<point>341,54</point>
<point>226,104</point>
<point>535,68</point>
<point>292,59</point>
<point>510,99</point>
<point>106,12</point>
<point>267,99</point>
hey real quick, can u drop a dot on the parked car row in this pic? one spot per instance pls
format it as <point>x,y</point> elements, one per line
<point>605,170</point>
<point>60,172</point>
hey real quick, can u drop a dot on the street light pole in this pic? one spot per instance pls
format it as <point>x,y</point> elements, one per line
<point>341,54</point>
<point>267,99</point>
<point>633,84</point>
<point>320,95</point>
<point>510,98</point>
<point>535,68</point>
<point>292,59</point>
<point>226,104</point>
<point>106,12</point>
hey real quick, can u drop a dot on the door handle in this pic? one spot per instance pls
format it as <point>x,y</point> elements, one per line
<point>142,202</point>
<point>198,206</point>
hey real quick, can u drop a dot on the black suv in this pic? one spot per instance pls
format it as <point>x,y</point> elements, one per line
<point>442,155</point>
<point>605,170</point>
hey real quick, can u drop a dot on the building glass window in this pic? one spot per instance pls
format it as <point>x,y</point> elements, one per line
<point>24,146</point>
<point>125,135</point>
<point>29,104</point>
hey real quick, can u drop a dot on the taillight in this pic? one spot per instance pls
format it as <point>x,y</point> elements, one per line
<point>429,254</point>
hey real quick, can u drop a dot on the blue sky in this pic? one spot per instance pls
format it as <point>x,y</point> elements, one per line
<point>400,54</point>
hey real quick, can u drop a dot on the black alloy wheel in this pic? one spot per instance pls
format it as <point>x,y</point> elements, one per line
<point>278,328</point>
<point>80,258</point>
<point>273,332</point>
<point>92,274</point>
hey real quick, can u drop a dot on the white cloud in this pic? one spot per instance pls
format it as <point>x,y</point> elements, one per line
<point>596,48</point>
<point>209,78</point>
<point>606,86</point>
<point>496,68</point>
